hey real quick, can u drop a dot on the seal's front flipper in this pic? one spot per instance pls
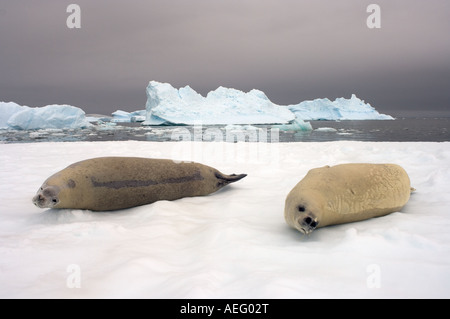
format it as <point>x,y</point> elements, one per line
<point>223,179</point>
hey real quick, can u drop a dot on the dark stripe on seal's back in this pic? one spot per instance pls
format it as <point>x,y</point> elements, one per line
<point>138,183</point>
<point>196,177</point>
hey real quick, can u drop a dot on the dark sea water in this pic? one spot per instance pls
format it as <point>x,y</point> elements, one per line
<point>399,130</point>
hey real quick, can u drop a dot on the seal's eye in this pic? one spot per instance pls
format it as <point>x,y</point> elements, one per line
<point>301,208</point>
<point>54,200</point>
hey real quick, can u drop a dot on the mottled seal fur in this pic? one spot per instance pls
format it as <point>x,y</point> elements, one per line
<point>346,193</point>
<point>111,183</point>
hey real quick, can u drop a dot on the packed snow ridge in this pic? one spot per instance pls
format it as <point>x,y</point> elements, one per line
<point>168,105</point>
<point>15,116</point>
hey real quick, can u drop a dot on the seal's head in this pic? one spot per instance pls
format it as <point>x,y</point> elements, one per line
<point>305,221</point>
<point>46,197</point>
<point>301,212</point>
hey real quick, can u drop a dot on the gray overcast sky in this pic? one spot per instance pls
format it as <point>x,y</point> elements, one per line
<point>293,50</point>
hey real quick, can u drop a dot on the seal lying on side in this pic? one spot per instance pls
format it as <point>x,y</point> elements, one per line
<point>346,193</point>
<point>111,183</point>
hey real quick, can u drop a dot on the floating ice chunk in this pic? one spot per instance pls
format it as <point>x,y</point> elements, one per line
<point>296,126</point>
<point>339,109</point>
<point>165,104</point>
<point>8,109</point>
<point>50,116</point>
<point>234,127</point>
<point>356,109</point>
<point>99,118</point>
<point>123,116</point>
<point>137,118</point>
<point>38,134</point>
<point>120,116</point>
<point>325,129</point>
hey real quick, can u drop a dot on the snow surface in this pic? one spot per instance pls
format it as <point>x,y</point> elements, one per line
<point>14,116</point>
<point>231,244</point>
<point>339,109</point>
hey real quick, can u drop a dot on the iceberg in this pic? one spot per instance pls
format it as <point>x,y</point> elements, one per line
<point>14,116</point>
<point>339,109</point>
<point>167,105</point>
<point>8,109</point>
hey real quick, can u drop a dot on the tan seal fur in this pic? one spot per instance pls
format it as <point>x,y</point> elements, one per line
<point>111,183</point>
<point>346,193</point>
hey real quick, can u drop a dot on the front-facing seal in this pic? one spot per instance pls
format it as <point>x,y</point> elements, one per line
<point>346,193</point>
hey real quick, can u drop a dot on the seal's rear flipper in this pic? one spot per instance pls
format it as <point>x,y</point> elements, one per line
<point>227,179</point>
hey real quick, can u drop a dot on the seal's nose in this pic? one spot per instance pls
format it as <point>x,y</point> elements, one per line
<point>34,200</point>
<point>307,224</point>
<point>37,199</point>
<point>308,221</point>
